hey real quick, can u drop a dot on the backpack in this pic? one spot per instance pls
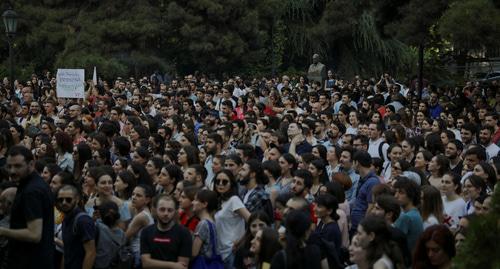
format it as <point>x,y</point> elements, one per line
<point>380,151</point>
<point>111,250</point>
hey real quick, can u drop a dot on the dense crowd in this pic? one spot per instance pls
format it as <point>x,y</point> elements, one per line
<point>258,173</point>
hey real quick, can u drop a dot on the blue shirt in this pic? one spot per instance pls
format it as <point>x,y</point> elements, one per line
<point>363,198</point>
<point>411,224</point>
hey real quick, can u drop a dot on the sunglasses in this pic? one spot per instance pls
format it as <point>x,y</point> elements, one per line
<point>62,200</point>
<point>222,182</point>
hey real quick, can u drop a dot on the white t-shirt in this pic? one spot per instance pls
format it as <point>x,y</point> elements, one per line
<point>492,151</point>
<point>431,220</point>
<point>230,225</point>
<point>373,148</point>
<point>454,209</point>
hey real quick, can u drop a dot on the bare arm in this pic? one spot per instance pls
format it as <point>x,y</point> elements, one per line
<point>33,233</point>
<point>90,253</point>
<point>197,243</point>
<point>244,213</point>
<point>137,223</point>
<point>150,263</point>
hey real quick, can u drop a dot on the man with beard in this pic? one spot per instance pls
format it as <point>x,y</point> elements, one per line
<point>362,164</point>
<point>485,136</point>
<point>213,146</point>
<point>165,244</point>
<point>302,183</point>
<point>74,129</point>
<point>211,119</point>
<point>453,152</point>
<point>78,230</point>
<point>31,232</point>
<point>35,118</point>
<point>491,120</point>
<point>319,132</point>
<point>345,166</point>
<point>255,197</point>
<point>334,134</point>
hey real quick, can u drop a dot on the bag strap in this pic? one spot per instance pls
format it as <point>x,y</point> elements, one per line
<point>75,222</point>
<point>212,237</point>
<point>380,150</point>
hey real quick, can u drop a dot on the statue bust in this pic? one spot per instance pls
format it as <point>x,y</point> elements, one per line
<point>316,71</point>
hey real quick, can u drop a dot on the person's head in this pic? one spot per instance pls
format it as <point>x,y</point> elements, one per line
<point>258,220</point>
<point>485,135</point>
<point>265,244</point>
<point>68,198</point>
<point>205,200</point>
<point>271,169</point>
<point>62,142</point>
<point>7,197</point>
<point>361,160</point>
<point>213,143</point>
<point>165,210</point>
<point>225,184</point>
<point>450,184</point>
<point>60,179</point>
<point>453,149</point>
<point>170,174</point>
<point>346,156</point>
<point>431,202</point>
<point>301,183</point>
<point>435,247</point>
<point>486,171</point>
<point>473,156</point>
<point>252,173</point>
<point>326,207</point>
<point>422,158</point>
<point>109,213</point>
<point>474,186</point>
<point>186,197</point>
<point>317,168</point>
<point>188,155</point>
<point>288,164</point>
<point>196,173</point>
<point>104,182</point>
<point>20,163</point>
<point>467,132</point>
<point>298,225</point>
<point>154,165</point>
<point>407,192</point>
<point>141,196</point>
<point>233,163</point>
<point>375,130</point>
<point>124,184</point>
<point>374,235</point>
<point>387,207</point>
<point>394,152</point>
<point>439,164</point>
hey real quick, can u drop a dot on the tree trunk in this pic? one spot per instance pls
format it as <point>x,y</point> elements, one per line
<point>420,69</point>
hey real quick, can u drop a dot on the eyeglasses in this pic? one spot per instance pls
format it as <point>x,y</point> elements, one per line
<point>64,199</point>
<point>222,182</point>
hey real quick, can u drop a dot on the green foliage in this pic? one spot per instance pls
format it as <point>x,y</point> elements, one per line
<point>133,37</point>
<point>471,24</point>
<point>480,249</point>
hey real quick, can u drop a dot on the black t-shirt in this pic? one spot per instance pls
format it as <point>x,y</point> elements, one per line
<point>33,201</point>
<point>312,259</point>
<point>166,245</point>
<point>74,236</point>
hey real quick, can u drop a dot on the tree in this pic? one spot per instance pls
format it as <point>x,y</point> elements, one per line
<point>471,26</point>
<point>413,26</point>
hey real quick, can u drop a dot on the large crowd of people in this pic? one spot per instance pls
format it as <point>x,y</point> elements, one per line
<point>281,172</point>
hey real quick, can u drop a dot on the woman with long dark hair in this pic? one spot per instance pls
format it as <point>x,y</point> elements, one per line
<point>230,218</point>
<point>431,206</point>
<point>318,171</point>
<point>257,221</point>
<point>297,253</point>
<point>62,144</point>
<point>81,154</point>
<point>375,238</point>
<point>264,246</point>
<point>435,249</point>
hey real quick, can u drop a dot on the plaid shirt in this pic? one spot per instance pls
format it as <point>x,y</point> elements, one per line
<point>256,200</point>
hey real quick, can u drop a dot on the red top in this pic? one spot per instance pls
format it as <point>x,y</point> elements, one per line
<point>188,222</point>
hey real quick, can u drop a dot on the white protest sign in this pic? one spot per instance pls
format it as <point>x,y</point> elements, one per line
<point>70,83</point>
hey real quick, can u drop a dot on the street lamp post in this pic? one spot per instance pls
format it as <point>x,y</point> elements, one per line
<point>10,22</point>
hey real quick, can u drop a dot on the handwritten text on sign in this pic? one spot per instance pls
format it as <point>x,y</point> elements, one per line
<point>70,83</point>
